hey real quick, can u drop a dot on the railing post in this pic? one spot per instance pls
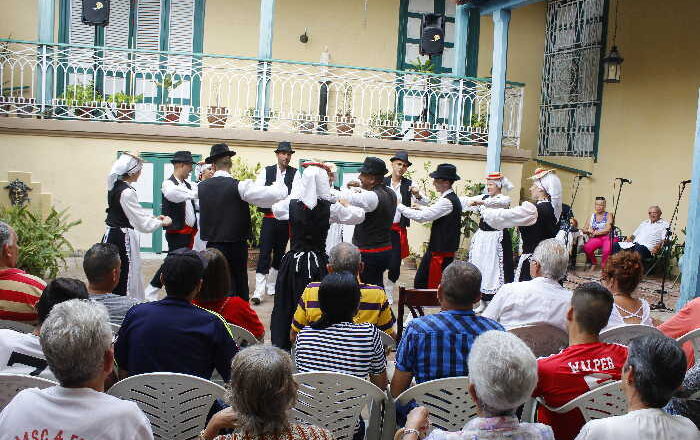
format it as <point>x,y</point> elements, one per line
<point>44,78</point>
<point>267,14</point>
<point>501,20</point>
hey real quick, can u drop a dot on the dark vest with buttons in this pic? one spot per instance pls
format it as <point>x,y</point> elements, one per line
<point>176,211</point>
<point>545,227</point>
<point>308,228</point>
<point>271,177</point>
<point>445,231</point>
<point>116,217</point>
<point>405,191</point>
<point>223,216</point>
<point>375,232</point>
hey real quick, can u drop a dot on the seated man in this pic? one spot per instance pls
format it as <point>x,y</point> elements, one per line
<point>648,237</point>
<point>19,291</point>
<point>20,353</point>
<point>437,346</point>
<point>583,366</point>
<point>102,267</point>
<point>374,306</point>
<point>77,341</point>
<point>540,300</point>
<point>172,334</point>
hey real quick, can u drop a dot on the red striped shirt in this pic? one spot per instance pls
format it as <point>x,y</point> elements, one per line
<point>19,291</point>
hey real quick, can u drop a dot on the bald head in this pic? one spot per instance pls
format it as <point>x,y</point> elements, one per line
<point>345,257</point>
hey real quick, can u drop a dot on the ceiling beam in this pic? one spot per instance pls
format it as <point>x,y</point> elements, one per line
<point>489,7</point>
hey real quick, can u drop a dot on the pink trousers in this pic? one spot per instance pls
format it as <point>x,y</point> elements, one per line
<point>599,242</point>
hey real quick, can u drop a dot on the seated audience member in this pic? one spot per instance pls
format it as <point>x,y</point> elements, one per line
<point>682,404</point>
<point>102,267</point>
<point>540,300</point>
<point>214,295</point>
<point>19,291</point>
<point>584,365</point>
<point>20,353</point>
<point>653,372</point>
<point>648,237</point>
<point>334,342</point>
<point>374,306</point>
<point>687,319</point>
<point>77,341</point>
<point>172,334</point>
<point>438,345</point>
<point>261,393</point>
<point>621,274</point>
<point>597,230</point>
<point>502,374</point>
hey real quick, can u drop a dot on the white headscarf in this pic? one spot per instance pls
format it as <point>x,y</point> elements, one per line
<point>200,168</point>
<point>312,186</point>
<point>551,184</point>
<point>126,164</point>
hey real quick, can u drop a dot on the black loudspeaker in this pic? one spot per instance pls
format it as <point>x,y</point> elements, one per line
<point>96,12</point>
<point>432,34</point>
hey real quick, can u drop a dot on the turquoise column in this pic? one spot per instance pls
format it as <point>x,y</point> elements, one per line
<point>690,284</point>
<point>45,31</point>
<point>267,15</point>
<point>501,20</point>
<point>466,57</point>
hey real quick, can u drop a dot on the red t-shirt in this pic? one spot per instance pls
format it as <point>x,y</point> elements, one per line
<point>570,373</point>
<point>236,311</point>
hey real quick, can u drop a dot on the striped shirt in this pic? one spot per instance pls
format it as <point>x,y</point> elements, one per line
<point>437,346</point>
<point>117,305</point>
<point>374,308</point>
<point>19,291</point>
<point>354,349</point>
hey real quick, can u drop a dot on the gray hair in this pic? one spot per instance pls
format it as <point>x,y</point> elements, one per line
<point>262,389</point>
<point>656,207</point>
<point>659,368</point>
<point>552,257</point>
<point>5,234</point>
<point>461,283</point>
<point>345,257</point>
<point>503,371</point>
<point>74,338</point>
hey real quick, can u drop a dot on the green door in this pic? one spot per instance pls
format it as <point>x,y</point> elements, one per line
<point>347,171</point>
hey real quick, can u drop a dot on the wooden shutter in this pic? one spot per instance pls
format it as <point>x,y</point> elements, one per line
<point>181,35</point>
<point>79,33</point>
<point>148,25</point>
<point>117,35</point>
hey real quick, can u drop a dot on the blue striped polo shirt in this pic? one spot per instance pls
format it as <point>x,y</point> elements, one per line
<point>437,346</point>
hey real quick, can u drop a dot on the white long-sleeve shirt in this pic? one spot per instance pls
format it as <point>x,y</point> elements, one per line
<point>502,218</point>
<point>279,176</point>
<point>140,220</point>
<point>440,208</point>
<point>397,190</point>
<point>367,200</point>
<point>180,193</point>
<point>497,201</point>
<point>258,195</point>
<point>346,215</point>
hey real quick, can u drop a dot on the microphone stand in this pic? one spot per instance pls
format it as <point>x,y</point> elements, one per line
<point>666,253</point>
<point>617,202</point>
<point>567,225</point>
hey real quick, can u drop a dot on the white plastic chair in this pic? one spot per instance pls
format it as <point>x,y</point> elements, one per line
<point>115,327</point>
<point>242,336</point>
<point>176,404</point>
<point>543,339</point>
<point>625,333</point>
<point>335,401</point>
<point>693,337</point>
<point>605,401</point>
<point>11,384</point>
<point>21,327</point>
<point>388,342</point>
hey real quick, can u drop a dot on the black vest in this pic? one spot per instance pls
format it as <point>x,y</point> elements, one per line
<point>176,211</point>
<point>482,224</point>
<point>115,214</point>
<point>309,227</point>
<point>271,177</point>
<point>545,227</point>
<point>223,215</point>
<point>406,197</point>
<point>445,231</point>
<point>375,231</point>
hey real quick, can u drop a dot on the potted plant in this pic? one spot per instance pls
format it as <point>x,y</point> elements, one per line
<point>478,130</point>
<point>345,123</point>
<point>125,105</point>
<point>303,122</point>
<point>385,124</point>
<point>241,171</point>
<point>217,115</point>
<point>252,117</point>
<point>422,129</point>
<point>83,99</point>
<point>167,85</point>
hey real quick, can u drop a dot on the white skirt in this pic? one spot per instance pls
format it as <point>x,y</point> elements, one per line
<point>134,285</point>
<point>486,253</point>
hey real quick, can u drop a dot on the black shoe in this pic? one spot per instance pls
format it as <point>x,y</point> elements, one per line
<point>255,301</point>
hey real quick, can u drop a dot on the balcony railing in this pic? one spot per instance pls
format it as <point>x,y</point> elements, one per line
<point>63,81</point>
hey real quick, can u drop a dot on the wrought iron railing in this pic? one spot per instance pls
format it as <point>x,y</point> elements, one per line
<point>130,85</point>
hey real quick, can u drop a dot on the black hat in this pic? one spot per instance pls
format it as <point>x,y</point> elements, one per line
<point>284,147</point>
<point>217,151</point>
<point>373,165</point>
<point>402,156</point>
<point>445,171</point>
<point>182,156</point>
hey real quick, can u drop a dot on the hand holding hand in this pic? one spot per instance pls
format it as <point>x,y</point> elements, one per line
<point>415,191</point>
<point>353,184</point>
<point>344,202</point>
<point>167,221</point>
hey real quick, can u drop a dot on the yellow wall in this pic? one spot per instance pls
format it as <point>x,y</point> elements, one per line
<point>19,19</point>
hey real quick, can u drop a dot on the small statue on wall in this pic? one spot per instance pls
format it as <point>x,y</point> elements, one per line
<point>19,192</point>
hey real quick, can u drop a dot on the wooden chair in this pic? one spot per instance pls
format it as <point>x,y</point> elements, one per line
<point>21,327</point>
<point>625,333</point>
<point>11,384</point>
<point>543,339</point>
<point>693,337</point>
<point>176,404</point>
<point>605,401</point>
<point>415,300</point>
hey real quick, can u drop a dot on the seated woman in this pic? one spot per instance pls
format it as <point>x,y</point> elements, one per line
<point>597,230</point>
<point>621,275</point>
<point>653,372</point>
<point>502,376</point>
<point>334,342</point>
<point>261,393</point>
<point>213,295</point>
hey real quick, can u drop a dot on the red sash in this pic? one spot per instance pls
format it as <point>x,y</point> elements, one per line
<point>435,271</point>
<point>381,249</point>
<point>403,238</point>
<point>269,215</point>
<point>187,230</point>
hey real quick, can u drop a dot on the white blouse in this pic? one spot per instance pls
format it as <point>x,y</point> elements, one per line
<point>497,201</point>
<point>616,318</point>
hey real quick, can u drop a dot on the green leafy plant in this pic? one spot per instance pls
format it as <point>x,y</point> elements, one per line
<point>385,123</point>
<point>426,66</point>
<point>168,84</point>
<point>42,242</point>
<point>479,121</point>
<point>81,94</point>
<point>123,98</point>
<point>241,171</point>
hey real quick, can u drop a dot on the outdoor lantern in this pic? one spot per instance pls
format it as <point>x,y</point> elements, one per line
<point>612,65</point>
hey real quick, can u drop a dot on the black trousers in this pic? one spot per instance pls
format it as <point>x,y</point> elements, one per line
<point>423,272</point>
<point>395,259</point>
<point>375,265</point>
<point>237,256</point>
<point>175,241</point>
<point>274,236</point>
<point>117,237</point>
